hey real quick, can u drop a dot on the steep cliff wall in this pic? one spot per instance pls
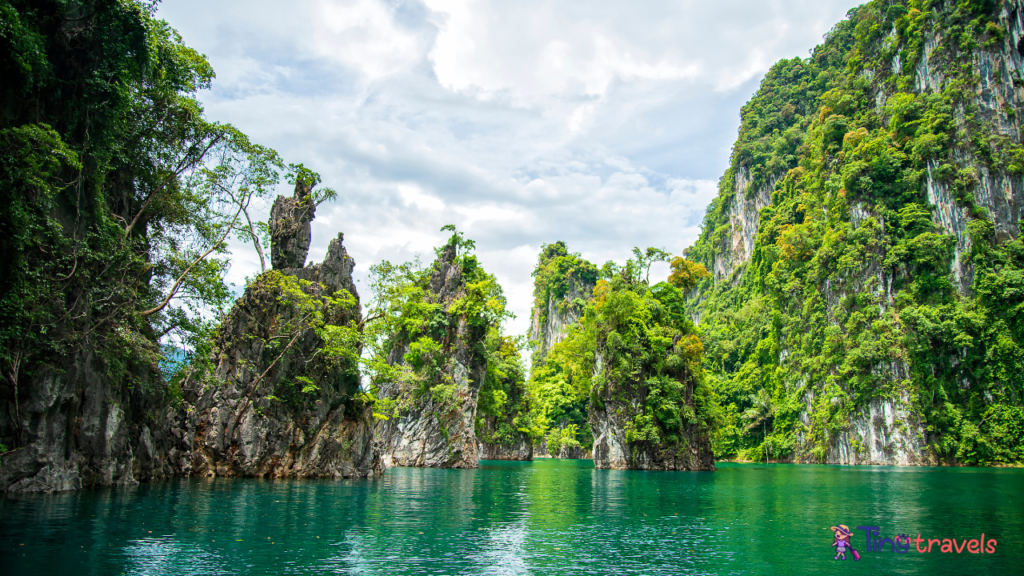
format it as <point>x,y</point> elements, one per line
<point>439,375</point>
<point>742,213</point>
<point>276,396</point>
<point>871,322</point>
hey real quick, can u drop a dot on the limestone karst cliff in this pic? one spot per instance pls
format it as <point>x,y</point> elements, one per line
<point>439,366</point>
<point>864,245</point>
<point>563,283</point>
<point>277,394</point>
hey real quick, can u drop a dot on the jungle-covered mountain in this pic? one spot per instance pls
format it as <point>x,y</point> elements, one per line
<point>867,297</point>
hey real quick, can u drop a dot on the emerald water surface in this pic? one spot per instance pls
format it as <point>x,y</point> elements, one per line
<point>545,517</point>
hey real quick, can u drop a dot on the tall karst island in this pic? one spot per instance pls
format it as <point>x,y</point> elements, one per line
<point>617,366</point>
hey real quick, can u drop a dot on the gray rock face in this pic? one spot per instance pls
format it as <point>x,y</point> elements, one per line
<point>520,449</point>
<point>264,410</point>
<point>82,427</point>
<point>744,215</point>
<point>548,327</point>
<point>885,432</point>
<point>290,229</point>
<point>431,431</point>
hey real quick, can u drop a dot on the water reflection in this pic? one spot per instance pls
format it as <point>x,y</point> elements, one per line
<point>512,518</point>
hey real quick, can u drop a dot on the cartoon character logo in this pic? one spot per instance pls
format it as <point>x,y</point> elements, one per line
<point>842,542</point>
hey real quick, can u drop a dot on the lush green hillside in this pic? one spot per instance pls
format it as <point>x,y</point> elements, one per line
<point>866,304</point>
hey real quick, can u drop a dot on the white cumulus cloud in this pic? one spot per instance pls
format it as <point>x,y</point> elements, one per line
<point>603,123</point>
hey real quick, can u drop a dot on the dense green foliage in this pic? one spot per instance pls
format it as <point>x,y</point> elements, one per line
<point>411,334</point>
<point>850,295</point>
<point>117,197</point>
<point>502,410</point>
<point>633,343</point>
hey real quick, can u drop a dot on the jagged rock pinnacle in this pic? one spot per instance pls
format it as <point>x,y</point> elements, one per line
<point>290,230</point>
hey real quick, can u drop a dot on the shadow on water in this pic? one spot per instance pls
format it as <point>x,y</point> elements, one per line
<point>543,517</point>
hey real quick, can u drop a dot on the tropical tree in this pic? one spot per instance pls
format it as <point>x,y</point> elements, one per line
<point>761,413</point>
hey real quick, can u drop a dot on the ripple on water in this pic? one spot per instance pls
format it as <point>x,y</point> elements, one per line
<point>511,518</point>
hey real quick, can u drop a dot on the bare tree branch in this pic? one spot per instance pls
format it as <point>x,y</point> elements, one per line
<point>177,283</point>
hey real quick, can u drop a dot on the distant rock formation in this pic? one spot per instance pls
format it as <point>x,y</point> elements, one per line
<point>521,450</point>
<point>564,452</point>
<point>563,284</point>
<point>264,408</point>
<point>435,428</point>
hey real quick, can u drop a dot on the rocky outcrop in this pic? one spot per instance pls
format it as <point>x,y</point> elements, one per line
<point>622,424</point>
<point>434,422</point>
<point>272,402</point>
<point>290,228</point>
<point>519,449</point>
<point>86,426</point>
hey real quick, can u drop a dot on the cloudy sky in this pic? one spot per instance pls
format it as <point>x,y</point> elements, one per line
<point>603,123</point>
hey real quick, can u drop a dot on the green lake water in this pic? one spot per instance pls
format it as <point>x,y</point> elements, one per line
<point>545,517</point>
